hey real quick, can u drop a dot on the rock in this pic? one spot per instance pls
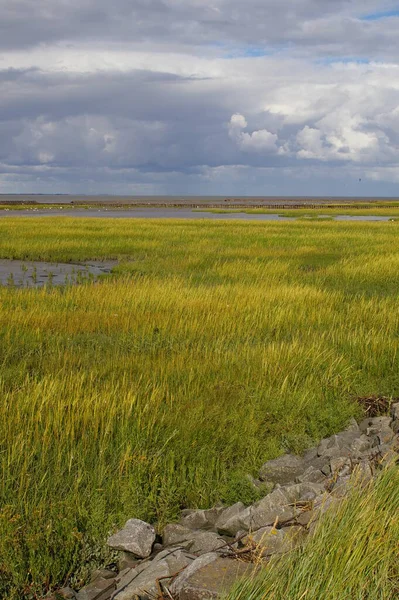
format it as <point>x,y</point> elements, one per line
<point>233,519</point>
<point>341,465</point>
<point>137,537</point>
<point>276,541</point>
<point>302,492</point>
<point>373,425</point>
<point>395,411</point>
<point>283,469</point>
<point>127,560</point>
<point>199,563</point>
<point>353,426</point>
<point>103,573</point>
<point>341,486</point>
<point>311,475</point>
<point>210,579</point>
<point>100,589</point>
<point>305,517</point>
<point>143,581</point>
<point>202,519</point>
<point>274,507</point>
<point>197,542</point>
<point>360,445</point>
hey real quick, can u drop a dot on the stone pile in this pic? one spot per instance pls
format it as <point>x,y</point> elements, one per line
<point>203,555</point>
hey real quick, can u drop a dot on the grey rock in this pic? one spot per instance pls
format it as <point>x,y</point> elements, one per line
<point>103,573</point>
<point>203,561</point>
<point>353,426</point>
<point>395,411</point>
<point>271,509</point>
<point>197,542</point>
<point>360,445</point>
<point>100,589</point>
<point>395,426</point>
<point>276,541</point>
<point>233,519</point>
<point>202,519</point>
<point>142,581</point>
<point>137,537</point>
<point>311,475</point>
<point>341,487</point>
<point>127,560</point>
<point>341,465</point>
<point>283,469</point>
<point>210,580</point>
<point>373,425</point>
<point>302,492</point>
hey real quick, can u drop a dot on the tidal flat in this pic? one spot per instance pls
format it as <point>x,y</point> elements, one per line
<point>212,347</point>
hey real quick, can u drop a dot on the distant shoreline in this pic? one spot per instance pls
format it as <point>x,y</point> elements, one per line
<point>194,201</point>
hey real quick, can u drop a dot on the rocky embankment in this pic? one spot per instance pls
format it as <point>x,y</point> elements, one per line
<point>203,555</point>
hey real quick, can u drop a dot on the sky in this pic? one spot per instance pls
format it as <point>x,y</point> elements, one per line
<point>229,97</point>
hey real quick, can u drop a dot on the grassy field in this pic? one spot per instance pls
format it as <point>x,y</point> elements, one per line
<point>216,346</point>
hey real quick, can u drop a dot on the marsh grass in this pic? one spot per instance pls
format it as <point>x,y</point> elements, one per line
<point>353,554</point>
<point>214,347</point>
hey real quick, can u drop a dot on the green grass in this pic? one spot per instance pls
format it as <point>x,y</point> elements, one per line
<point>216,346</point>
<point>353,554</point>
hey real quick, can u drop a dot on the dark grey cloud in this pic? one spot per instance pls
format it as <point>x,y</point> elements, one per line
<point>170,95</point>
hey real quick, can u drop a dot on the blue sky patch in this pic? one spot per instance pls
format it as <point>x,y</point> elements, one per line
<point>381,15</point>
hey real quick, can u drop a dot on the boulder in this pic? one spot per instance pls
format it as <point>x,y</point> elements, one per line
<point>137,537</point>
<point>196,541</point>
<point>311,475</point>
<point>276,541</point>
<point>274,507</point>
<point>395,411</point>
<point>143,582</point>
<point>283,469</point>
<point>209,579</point>
<point>100,589</point>
<point>202,519</point>
<point>233,519</point>
<point>374,425</point>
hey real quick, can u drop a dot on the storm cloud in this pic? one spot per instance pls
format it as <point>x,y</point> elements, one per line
<point>186,96</point>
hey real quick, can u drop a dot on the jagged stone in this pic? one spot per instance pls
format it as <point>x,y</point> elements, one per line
<point>276,541</point>
<point>301,492</point>
<point>137,537</point>
<point>233,519</point>
<point>373,425</point>
<point>127,561</point>
<point>197,542</point>
<point>100,589</point>
<point>395,411</point>
<point>210,579</point>
<point>142,582</point>
<point>283,469</point>
<point>311,475</point>
<point>202,519</point>
<point>104,573</point>
<point>341,465</point>
<point>274,507</point>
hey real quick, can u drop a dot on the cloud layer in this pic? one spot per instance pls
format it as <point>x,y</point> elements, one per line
<point>182,96</point>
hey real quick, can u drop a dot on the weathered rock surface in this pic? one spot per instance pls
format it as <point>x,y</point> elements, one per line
<point>144,581</point>
<point>283,469</point>
<point>202,519</point>
<point>196,541</point>
<point>207,580</point>
<point>137,537</point>
<point>100,589</point>
<point>269,540</point>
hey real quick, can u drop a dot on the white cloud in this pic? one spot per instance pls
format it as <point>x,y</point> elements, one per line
<point>260,140</point>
